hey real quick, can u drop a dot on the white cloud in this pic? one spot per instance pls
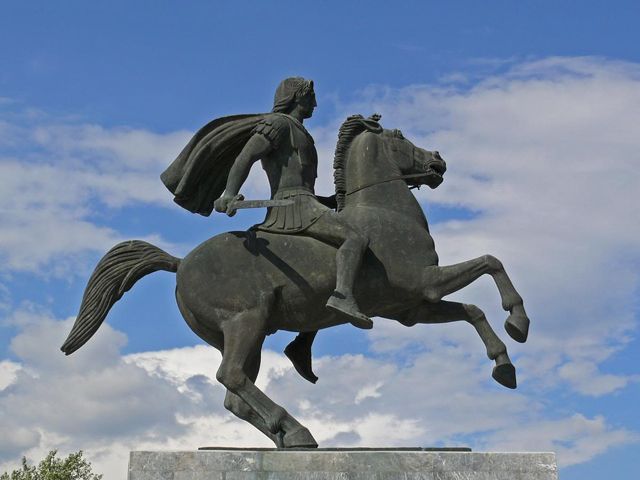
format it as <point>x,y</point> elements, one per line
<point>547,154</point>
<point>585,377</point>
<point>139,150</point>
<point>90,399</point>
<point>368,391</point>
<point>169,400</point>
<point>576,439</point>
<point>90,394</point>
<point>8,373</point>
<point>57,177</point>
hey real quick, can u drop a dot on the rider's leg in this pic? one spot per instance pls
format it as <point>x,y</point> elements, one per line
<point>332,229</point>
<point>299,352</point>
<point>351,246</point>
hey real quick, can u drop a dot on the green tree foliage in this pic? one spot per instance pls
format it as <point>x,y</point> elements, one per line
<point>74,467</point>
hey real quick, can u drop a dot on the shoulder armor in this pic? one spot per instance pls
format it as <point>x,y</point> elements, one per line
<point>274,128</point>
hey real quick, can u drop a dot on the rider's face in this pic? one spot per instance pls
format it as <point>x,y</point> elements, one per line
<point>307,104</point>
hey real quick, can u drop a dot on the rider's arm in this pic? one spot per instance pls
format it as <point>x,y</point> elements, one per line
<point>266,137</point>
<point>257,147</point>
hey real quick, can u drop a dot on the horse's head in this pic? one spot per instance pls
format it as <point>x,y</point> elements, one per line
<point>423,166</point>
<point>368,155</point>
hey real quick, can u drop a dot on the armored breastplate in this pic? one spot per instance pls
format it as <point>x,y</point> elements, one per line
<point>305,150</point>
<point>294,162</point>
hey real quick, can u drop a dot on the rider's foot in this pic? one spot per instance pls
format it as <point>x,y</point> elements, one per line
<point>299,352</point>
<point>348,307</point>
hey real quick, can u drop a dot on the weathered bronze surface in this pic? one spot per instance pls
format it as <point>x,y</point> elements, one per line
<point>314,262</point>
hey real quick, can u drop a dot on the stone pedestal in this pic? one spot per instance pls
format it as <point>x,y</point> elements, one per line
<point>343,464</point>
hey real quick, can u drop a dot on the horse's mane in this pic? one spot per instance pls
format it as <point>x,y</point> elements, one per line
<point>350,129</point>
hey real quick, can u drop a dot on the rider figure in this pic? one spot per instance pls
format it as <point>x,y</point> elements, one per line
<point>290,161</point>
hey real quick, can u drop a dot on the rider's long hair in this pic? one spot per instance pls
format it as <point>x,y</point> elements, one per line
<point>289,90</point>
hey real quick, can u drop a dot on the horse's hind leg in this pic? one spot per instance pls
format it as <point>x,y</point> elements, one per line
<point>443,312</point>
<point>441,281</point>
<point>243,337</point>
<point>232,402</point>
<point>241,409</point>
<point>210,335</point>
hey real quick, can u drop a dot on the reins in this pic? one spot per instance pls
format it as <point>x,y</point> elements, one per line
<point>398,177</point>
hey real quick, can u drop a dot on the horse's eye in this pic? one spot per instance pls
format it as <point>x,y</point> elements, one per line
<point>397,133</point>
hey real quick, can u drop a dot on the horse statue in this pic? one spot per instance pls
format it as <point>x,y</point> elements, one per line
<point>238,287</point>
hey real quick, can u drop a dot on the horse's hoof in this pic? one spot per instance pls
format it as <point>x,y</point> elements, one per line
<point>300,438</point>
<point>505,375</point>
<point>517,326</point>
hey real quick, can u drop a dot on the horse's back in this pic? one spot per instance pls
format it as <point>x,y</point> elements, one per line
<point>235,271</point>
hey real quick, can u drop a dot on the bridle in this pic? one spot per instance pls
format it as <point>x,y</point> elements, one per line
<point>390,179</point>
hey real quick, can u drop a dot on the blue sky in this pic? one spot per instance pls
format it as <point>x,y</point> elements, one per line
<point>533,105</point>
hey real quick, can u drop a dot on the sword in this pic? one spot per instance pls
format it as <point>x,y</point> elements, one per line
<point>239,203</point>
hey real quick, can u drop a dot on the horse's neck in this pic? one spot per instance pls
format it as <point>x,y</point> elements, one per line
<point>393,196</point>
<point>366,167</point>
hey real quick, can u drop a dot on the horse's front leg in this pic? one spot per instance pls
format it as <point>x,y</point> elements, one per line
<point>441,281</point>
<point>443,312</point>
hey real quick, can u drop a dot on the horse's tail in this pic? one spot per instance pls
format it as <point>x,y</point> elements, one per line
<point>117,271</point>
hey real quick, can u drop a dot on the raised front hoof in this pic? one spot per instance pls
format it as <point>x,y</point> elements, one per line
<point>517,326</point>
<point>300,438</point>
<point>505,375</point>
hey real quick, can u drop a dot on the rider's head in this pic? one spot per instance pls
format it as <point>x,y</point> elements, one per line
<point>292,92</point>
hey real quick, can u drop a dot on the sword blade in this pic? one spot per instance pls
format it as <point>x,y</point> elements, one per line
<point>239,204</point>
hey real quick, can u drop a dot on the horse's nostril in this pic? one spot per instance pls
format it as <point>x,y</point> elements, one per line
<point>438,168</point>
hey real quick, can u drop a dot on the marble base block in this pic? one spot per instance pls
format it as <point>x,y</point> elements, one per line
<point>341,465</point>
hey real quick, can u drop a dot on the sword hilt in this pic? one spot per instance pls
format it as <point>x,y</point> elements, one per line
<point>231,210</point>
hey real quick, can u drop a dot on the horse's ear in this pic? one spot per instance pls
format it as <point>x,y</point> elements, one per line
<point>369,124</point>
<point>357,124</point>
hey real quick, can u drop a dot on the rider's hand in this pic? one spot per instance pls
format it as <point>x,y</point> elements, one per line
<point>222,204</point>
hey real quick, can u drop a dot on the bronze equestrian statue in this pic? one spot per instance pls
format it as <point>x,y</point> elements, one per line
<point>290,161</point>
<point>305,267</point>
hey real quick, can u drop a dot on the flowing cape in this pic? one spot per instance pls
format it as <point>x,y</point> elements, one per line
<point>199,175</point>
